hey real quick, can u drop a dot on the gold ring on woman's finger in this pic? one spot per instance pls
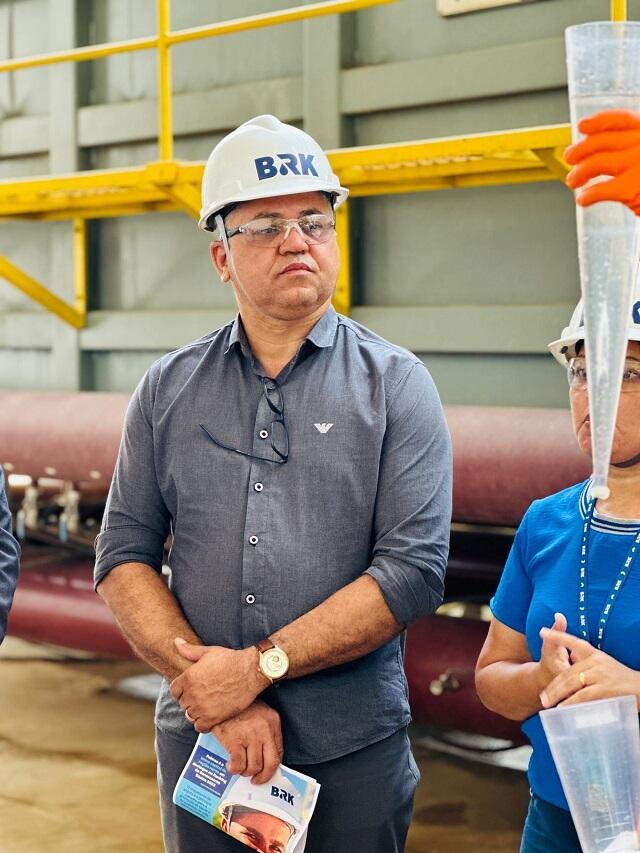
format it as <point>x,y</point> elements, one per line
<point>583,679</point>
<point>191,720</point>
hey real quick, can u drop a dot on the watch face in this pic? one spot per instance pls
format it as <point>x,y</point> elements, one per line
<point>274,663</point>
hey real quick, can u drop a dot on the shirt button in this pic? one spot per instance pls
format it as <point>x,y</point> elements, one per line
<point>258,487</point>
<point>250,598</point>
<point>253,540</point>
<point>264,433</point>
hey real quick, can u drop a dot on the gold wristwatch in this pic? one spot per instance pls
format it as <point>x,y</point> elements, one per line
<point>274,662</point>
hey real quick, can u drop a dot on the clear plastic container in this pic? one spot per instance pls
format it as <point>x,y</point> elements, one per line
<point>603,63</point>
<point>596,749</point>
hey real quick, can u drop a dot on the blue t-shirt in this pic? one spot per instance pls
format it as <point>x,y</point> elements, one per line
<point>541,578</point>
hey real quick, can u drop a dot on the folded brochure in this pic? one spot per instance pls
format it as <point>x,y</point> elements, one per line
<point>272,817</point>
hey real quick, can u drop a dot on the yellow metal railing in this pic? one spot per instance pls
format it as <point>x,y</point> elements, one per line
<point>165,39</point>
<point>184,194</point>
<point>529,154</point>
<point>618,10</point>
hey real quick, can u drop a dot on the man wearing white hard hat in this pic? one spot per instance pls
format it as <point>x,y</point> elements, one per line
<point>302,465</point>
<point>268,818</point>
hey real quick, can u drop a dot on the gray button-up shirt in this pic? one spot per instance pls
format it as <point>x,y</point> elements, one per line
<point>257,542</point>
<point>9,560</point>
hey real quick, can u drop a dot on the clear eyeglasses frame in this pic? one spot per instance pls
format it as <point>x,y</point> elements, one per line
<point>577,374</point>
<point>270,232</point>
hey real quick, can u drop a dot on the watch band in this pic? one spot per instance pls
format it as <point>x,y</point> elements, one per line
<point>265,645</point>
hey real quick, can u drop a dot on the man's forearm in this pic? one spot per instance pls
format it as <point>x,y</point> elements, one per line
<point>148,615</point>
<point>348,625</point>
<point>351,623</point>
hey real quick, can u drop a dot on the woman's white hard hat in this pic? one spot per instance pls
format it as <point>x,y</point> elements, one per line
<point>564,349</point>
<point>264,158</point>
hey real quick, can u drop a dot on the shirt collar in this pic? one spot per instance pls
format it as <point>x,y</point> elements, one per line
<point>238,336</point>
<point>322,335</point>
<point>324,332</point>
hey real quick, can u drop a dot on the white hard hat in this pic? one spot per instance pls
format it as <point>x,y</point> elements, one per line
<point>564,348</point>
<point>278,797</point>
<point>264,158</point>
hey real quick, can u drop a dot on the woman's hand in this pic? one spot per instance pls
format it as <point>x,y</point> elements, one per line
<point>508,681</point>
<point>593,674</point>
<point>554,658</point>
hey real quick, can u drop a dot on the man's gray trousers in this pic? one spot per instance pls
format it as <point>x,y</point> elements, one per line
<point>365,800</point>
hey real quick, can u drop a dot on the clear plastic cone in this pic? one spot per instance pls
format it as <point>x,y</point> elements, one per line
<point>596,750</point>
<point>603,62</point>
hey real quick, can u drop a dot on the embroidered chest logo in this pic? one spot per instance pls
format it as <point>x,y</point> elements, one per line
<point>323,428</point>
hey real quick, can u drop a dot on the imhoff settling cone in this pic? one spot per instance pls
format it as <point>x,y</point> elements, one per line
<point>603,61</point>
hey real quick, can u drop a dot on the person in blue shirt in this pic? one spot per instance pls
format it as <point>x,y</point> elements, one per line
<point>9,560</point>
<point>553,638</point>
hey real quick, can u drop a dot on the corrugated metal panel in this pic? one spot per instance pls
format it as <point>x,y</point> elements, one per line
<point>443,248</point>
<point>492,380</point>
<point>134,274</point>
<point>258,55</point>
<point>104,371</point>
<point>23,31</point>
<point>24,370</point>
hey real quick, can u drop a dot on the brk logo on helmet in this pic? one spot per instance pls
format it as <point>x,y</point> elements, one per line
<point>281,794</point>
<point>636,313</point>
<point>266,167</point>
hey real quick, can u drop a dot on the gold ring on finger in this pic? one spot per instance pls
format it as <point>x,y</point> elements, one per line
<point>582,678</point>
<point>191,720</point>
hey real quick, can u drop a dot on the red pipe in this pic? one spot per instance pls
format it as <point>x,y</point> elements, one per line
<point>504,458</point>
<point>64,435</point>
<point>55,603</point>
<point>441,654</point>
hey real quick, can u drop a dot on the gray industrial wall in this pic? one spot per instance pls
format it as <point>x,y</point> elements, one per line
<point>476,281</point>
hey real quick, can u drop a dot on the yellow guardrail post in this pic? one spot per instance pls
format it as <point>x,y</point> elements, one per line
<point>165,141</point>
<point>618,10</point>
<point>80,266</point>
<point>342,296</point>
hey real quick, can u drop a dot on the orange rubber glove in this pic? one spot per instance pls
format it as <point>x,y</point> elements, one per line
<point>611,147</point>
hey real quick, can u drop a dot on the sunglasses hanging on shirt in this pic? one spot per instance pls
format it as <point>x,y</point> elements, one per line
<point>275,401</point>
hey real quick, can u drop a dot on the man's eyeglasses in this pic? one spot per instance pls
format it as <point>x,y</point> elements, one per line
<point>270,232</point>
<point>278,432</point>
<point>577,374</point>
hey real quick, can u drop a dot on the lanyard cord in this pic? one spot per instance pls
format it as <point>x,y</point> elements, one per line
<point>610,600</point>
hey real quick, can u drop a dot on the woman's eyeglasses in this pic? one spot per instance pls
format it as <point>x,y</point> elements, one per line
<point>577,374</point>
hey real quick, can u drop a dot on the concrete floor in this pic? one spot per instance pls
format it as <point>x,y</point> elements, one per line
<point>78,769</point>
